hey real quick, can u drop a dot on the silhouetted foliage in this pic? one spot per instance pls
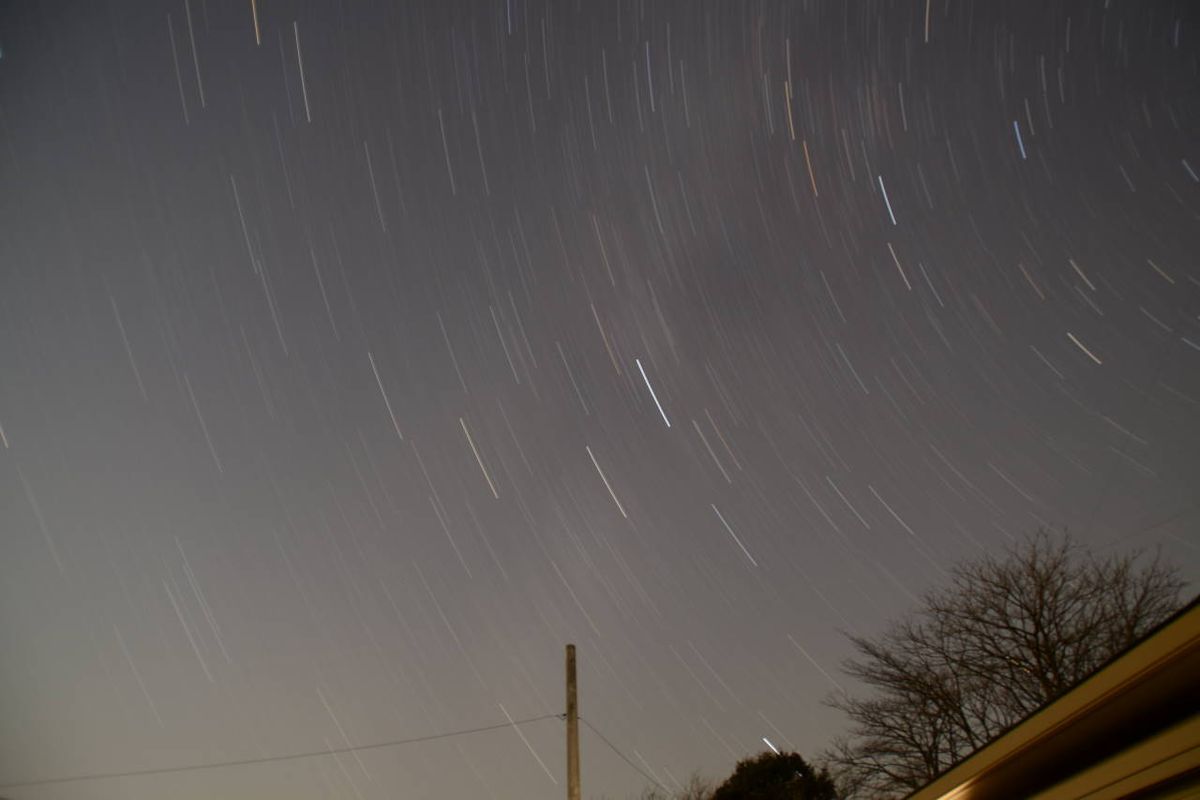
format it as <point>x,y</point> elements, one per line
<point>770,776</point>
<point>1007,636</point>
<point>767,776</point>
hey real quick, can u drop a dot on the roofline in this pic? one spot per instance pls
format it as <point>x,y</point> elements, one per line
<point>1132,696</point>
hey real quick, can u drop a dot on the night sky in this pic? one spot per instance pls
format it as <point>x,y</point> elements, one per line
<point>357,356</point>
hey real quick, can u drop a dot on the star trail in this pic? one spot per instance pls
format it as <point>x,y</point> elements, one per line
<point>356,356</point>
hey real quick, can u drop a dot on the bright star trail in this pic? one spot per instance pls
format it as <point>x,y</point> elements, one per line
<point>356,357</point>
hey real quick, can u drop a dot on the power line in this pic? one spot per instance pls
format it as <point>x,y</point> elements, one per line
<point>624,758</point>
<point>266,759</point>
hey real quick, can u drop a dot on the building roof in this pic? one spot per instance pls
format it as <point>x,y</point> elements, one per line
<point>1131,728</point>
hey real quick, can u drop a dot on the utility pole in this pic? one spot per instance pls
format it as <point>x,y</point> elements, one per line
<point>572,728</point>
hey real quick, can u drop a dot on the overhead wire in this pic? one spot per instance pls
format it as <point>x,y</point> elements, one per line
<point>332,751</point>
<point>624,757</point>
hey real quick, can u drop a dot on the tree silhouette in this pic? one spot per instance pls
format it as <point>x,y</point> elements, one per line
<point>1007,636</point>
<point>771,776</point>
<point>696,788</point>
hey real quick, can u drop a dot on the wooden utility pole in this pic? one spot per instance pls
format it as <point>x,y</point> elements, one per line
<point>572,728</point>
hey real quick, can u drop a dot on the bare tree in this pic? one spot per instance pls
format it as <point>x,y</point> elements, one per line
<point>696,788</point>
<point>1008,635</point>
